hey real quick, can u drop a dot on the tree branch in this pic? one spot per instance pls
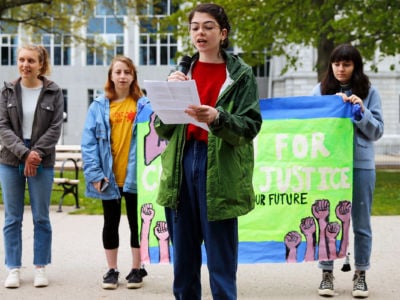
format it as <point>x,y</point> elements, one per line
<point>7,4</point>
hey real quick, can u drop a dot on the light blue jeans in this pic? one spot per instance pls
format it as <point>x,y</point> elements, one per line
<point>13,190</point>
<point>363,191</point>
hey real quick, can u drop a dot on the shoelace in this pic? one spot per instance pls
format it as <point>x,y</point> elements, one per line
<point>359,282</point>
<point>327,280</point>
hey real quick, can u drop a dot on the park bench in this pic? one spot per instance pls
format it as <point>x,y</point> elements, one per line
<point>68,158</point>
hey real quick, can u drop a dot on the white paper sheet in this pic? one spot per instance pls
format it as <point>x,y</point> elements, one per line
<point>170,99</point>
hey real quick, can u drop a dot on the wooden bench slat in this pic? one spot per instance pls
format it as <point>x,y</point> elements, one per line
<point>73,181</point>
<point>68,148</point>
<point>59,180</point>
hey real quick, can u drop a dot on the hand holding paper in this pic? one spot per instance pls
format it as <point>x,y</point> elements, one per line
<point>202,113</point>
<point>170,100</point>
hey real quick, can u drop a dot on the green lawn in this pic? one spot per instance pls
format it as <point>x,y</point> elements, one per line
<point>386,201</point>
<point>387,193</point>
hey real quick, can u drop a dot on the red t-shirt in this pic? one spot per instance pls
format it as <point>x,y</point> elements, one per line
<point>209,79</point>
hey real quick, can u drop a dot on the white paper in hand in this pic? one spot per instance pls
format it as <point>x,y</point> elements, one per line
<point>170,99</point>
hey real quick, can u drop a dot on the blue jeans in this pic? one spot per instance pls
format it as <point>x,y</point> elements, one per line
<point>13,189</point>
<point>188,227</point>
<point>363,191</point>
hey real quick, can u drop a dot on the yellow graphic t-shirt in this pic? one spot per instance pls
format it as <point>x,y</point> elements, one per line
<point>122,117</point>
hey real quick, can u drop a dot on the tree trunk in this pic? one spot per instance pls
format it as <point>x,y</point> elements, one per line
<point>325,48</point>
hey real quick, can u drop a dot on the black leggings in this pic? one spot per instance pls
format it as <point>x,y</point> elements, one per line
<point>112,217</point>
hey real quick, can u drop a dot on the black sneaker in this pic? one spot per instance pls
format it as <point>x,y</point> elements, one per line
<point>326,286</point>
<point>110,280</point>
<point>135,278</point>
<point>360,289</point>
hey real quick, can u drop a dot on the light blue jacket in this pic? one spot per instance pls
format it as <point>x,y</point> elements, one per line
<point>96,149</point>
<point>367,130</point>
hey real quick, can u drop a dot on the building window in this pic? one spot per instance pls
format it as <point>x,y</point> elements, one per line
<point>262,70</point>
<point>9,46</point>
<point>102,48</point>
<point>160,7</point>
<point>8,41</point>
<point>105,33</point>
<point>113,7</point>
<point>59,48</point>
<point>156,47</point>
<point>93,94</point>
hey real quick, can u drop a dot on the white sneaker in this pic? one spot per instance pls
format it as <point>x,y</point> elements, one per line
<point>12,280</point>
<point>40,278</point>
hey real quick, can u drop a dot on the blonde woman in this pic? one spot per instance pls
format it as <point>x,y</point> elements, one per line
<point>31,115</point>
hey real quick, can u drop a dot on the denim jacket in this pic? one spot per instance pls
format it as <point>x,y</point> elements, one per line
<point>96,149</point>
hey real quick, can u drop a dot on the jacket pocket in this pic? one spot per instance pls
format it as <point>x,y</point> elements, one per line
<point>364,149</point>
<point>44,115</point>
<point>101,132</point>
<point>47,106</point>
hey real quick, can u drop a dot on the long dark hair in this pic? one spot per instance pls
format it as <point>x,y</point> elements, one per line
<point>218,13</point>
<point>359,81</point>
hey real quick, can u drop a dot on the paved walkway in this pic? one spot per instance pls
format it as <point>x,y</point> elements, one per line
<point>79,263</point>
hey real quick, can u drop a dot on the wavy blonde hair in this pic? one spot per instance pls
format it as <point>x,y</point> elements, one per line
<point>43,57</point>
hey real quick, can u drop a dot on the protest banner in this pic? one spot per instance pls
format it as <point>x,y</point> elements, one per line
<point>302,180</point>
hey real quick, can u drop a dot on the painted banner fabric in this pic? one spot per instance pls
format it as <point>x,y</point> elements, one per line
<point>302,179</point>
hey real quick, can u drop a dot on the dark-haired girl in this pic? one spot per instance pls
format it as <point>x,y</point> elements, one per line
<point>207,175</point>
<point>345,77</point>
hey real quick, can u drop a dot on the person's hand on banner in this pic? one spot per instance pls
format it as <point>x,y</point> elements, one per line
<point>356,112</point>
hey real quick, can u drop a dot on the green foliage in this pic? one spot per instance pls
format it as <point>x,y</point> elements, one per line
<point>260,28</point>
<point>273,25</point>
<point>59,17</point>
<point>47,16</point>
